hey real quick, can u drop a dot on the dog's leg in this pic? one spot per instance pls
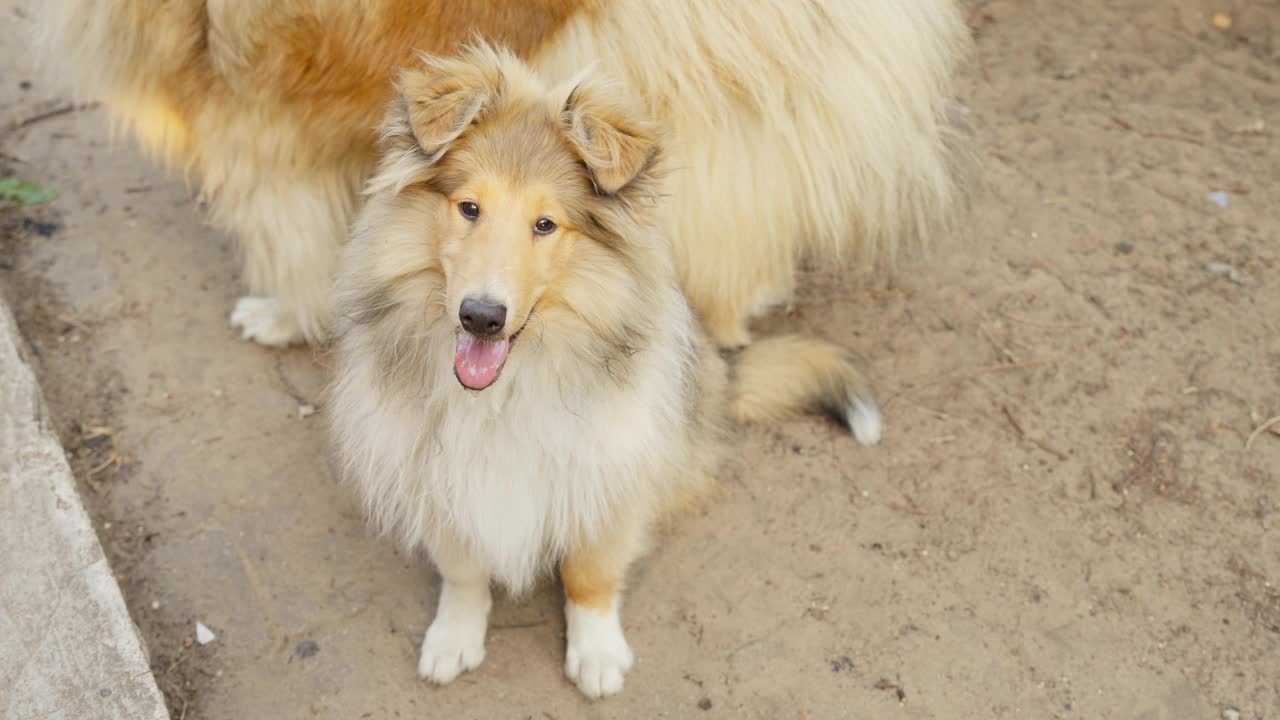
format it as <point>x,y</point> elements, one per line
<point>455,641</point>
<point>597,653</point>
<point>734,243</point>
<point>726,310</point>
<point>290,232</point>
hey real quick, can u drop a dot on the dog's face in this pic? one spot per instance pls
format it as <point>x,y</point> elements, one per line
<point>502,242</point>
<point>529,180</point>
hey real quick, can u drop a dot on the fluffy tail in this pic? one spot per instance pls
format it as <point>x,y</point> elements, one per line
<point>791,374</point>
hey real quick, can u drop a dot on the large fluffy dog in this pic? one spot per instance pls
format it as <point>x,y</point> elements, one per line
<point>520,381</point>
<point>796,126</point>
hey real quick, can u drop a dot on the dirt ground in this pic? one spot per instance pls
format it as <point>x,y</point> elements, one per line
<point>1070,515</point>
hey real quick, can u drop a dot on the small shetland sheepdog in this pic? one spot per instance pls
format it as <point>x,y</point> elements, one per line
<point>795,129</point>
<point>520,382</point>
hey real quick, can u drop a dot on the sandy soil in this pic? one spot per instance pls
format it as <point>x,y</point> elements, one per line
<point>1066,518</point>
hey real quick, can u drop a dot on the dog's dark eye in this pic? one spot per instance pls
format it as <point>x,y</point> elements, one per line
<point>544,226</point>
<point>469,210</point>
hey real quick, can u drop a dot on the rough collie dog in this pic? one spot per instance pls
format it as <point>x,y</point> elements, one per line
<point>520,382</point>
<point>796,127</point>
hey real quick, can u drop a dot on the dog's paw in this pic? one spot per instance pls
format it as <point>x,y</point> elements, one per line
<point>597,655</point>
<point>266,321</point>
<point>451,648</point>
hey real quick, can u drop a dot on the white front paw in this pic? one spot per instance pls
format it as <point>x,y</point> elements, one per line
<point>597,655</point>
<point>266,321</point>
<point>452,647</point>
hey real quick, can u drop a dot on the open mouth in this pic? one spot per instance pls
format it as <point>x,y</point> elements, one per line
<point>477,362</point>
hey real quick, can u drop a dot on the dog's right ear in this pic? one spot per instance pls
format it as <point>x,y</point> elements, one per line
<point>445,95</point>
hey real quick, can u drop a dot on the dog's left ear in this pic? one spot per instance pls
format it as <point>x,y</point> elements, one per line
<point>614,142</point>
<point>445,95</point>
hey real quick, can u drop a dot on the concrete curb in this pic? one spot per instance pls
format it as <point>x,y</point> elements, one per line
<point>68,648</point>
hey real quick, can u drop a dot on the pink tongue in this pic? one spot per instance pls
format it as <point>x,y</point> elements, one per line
<point>477,362</point>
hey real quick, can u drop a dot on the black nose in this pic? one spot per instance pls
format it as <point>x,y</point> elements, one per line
<point>481,318</point>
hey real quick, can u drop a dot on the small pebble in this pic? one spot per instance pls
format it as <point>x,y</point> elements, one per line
<point>306,410</point>
<point>1219,198</point>
<point>1230,714</point>
<point>1124,248</point>
<point>306,648</point>
<point>704,704</point>
<point>1253,127</point>
<point>25,85</point>
<point>204,635</point>
<point>1232,274</point>
<point>155,604</point>
<point>43,229</point>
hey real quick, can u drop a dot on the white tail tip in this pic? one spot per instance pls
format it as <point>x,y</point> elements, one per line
<point>864,420</point>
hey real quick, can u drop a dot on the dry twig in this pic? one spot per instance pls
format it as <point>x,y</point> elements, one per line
<point>1022,433</point>
<point>55,112</point>
<point>1126,125</point>
<point>1264,427</point>
<point>109,462</point>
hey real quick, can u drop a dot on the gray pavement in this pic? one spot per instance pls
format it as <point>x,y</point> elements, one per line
<point>67,646</point>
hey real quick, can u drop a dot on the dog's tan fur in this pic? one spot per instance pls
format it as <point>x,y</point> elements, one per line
<point>612,402</point>
<point>795,126</point>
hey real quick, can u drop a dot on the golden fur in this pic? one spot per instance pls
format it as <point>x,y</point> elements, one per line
<point>795,126</point>
<point>611,402</point>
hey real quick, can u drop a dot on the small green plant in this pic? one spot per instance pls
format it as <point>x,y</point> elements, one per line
<point>25,193</point>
